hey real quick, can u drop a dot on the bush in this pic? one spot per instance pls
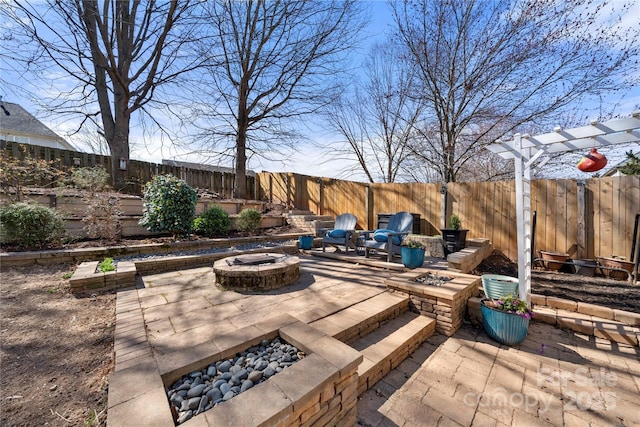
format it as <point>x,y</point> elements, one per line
<point>169,205</point>
<point>102,216</point>
<point>107,265</point>
<point>92,179</point>
<point>249,220</point>
<point>17,174</point>
<point>213,222</point>
<point>30,226</point>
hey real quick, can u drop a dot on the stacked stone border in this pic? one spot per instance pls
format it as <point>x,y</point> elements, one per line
<point>447,303</point>
<point>321,389</point>
<point>602,322</point>
<point>86,279</point>
<point>99,253</point>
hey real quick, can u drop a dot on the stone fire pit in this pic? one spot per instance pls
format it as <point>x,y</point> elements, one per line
<point>256,272</point>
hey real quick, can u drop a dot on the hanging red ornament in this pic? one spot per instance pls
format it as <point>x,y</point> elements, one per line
<point>592,162</point>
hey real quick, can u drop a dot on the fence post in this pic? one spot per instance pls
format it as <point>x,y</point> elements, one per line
<point>443,205</point>
<point>581,236</point>
<point>369,203</point>
<point>320,196</point>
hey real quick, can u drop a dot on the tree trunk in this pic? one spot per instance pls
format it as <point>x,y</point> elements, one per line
<point>240,190</point>
<point>119,146</point>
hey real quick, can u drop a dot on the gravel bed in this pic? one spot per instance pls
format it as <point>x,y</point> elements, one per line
<point>201,390</point>
<point>433,279</point>
<point>241,247</point>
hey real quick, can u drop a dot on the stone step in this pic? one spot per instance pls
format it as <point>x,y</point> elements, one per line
<point>360,319</point>
<point>386,347</point>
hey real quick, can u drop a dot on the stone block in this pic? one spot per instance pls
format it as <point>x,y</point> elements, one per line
<point>537,299</point>
<point>562,304</point>
<point>616,332</point>
<point>595,310</point>
<point>627,317</point>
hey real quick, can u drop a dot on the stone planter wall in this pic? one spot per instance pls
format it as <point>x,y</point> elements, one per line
<point>86,279</point>
<point>589,319</point>
<point>447,303</point>
<point>99,253</point>
<point>321,389</point>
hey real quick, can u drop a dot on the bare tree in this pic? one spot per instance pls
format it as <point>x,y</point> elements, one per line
<point>119,53</point>
<point>486,68</point>
<point>378,121</point>
<point>277,61</point>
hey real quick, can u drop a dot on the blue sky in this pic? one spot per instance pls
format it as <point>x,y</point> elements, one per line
<point>314,159</point>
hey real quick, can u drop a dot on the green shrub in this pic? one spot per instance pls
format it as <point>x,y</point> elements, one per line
<point>107,265</point>
<point>454,222</point>
<point>92,179</point>
<point>249,220</point>
<point>213,222</point>
<point>30,226</point>
<point>169,205</point>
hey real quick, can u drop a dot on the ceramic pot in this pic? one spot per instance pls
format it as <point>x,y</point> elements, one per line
<point>496,285</point>
<point>506,328</point>
<point>305,242</point>
<point>453,240</point>
<point>412,257</point>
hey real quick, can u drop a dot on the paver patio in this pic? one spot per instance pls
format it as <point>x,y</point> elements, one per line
<point>553,378</point>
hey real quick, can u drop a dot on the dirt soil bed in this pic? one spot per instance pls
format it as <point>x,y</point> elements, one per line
<point>57,348</point>
<point>618,294</point>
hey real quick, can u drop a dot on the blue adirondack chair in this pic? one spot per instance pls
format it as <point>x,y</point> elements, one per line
<point>389,240</point>
<point>341,232</point>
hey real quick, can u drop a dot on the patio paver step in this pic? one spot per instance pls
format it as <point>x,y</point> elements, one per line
<point>362,318</point>
<point>385,348</point>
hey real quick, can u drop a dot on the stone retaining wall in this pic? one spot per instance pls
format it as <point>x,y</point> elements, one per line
<point>447,303</point>
<point>100,253</point>
<point>85,278</point>
<point>319,390</point>
<point>589,319</point>
<point>470,257</point>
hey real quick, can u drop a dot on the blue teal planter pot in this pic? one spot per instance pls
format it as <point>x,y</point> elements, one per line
<point>496,285</point>
<point>305,242</point>
<point>506,328</point>
<point>412,257</point>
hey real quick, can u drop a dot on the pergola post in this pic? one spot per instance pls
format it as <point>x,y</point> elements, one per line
<point>523,217</point>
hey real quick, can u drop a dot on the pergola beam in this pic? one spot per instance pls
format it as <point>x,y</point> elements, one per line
<point>525,150</point>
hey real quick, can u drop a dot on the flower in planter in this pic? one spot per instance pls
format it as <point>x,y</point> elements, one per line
<point>414,244</point>
<point>511,304</point>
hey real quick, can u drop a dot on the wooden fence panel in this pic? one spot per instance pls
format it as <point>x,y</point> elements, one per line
<point>138,173</point>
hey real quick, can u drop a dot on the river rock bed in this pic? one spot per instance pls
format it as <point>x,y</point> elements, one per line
<point>201,390</point>
<point>433,279</point>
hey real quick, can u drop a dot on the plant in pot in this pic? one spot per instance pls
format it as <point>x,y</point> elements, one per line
<point>412,252</point>
<point>454,237</point>
<point>506,319</point>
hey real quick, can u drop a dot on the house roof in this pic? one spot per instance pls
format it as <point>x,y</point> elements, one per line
<point>21,121</point>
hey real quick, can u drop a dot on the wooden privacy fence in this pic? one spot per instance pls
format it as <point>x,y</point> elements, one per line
<point>583,218</point>
<point>138,173</point>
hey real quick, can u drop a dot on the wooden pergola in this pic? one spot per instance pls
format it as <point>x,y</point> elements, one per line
<point>525,150</point>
